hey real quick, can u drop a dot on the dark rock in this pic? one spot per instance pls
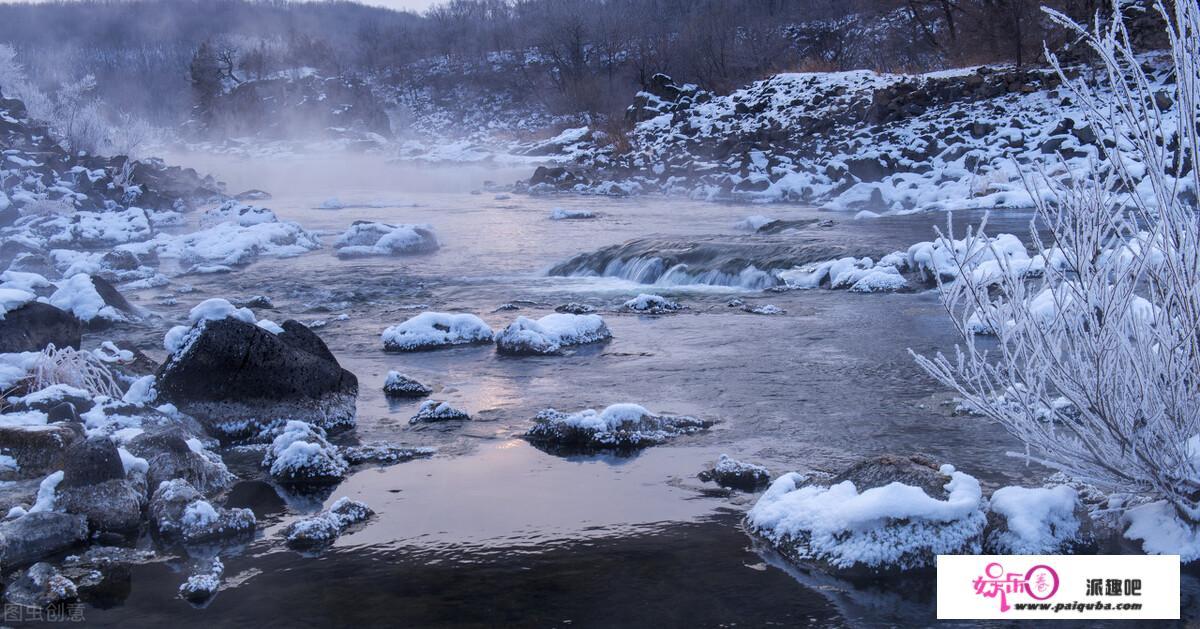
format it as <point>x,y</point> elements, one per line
<point>91,462</point>
<point>253,195</point>
<point>400,385</point>
<point>301,337</point>
<point>237,378</point>
<point>729,472</point>
<point>169,457</point>
<point>169,509</point>
<point>575,308</point>
<point>39,587</point>
<point>112,506</point>
<point>916,470</point>
<point>36,535</point>
<point>35,325</point>
<point>868,169</point>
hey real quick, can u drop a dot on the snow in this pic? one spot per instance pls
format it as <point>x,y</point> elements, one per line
<point>436,329</point>
<point>562,214</point>
<point>1039,520</point>
<point>202,586</point>
<point>894,525</point>
<point>28,282</point>
<point>270,326</point>
<point>366,238</point>
<point>13,298</point>
<point>551,333</point>
<point>23,418</point>
<point>52,393</point>
<point>300,452</point>
<point>78,296</point>
<point>132,463</point>
<point>15,366</point>
<point>1161,531</point>
<point>230,244</point>
<point>214,309</point>
<point>142,391</point>
<point>45,497</point>
<point>859,275</point>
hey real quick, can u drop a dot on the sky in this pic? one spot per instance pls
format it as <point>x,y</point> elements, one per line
<point>402,5</point>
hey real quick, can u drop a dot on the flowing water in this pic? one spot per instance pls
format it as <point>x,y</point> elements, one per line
<point>492,531</point>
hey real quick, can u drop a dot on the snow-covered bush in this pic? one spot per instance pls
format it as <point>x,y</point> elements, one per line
<point>1112,326</point>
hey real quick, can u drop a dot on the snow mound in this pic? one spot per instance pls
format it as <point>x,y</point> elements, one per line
<point>893,526</point>
<point>430,330</point>
<point>434,411</point>
<point>561,214</point>
<point>400,385</point>
<point>551,333</point>
<point>1161,531</point>
<point>1037,521</point>
<point>366,238</point>
<point>238,214</point>
<point>232,243</point>
<point>322,529</point>
<point>651,304</point>
<point>78,296</point>
<point>300,454</point>
<point>619,426</point>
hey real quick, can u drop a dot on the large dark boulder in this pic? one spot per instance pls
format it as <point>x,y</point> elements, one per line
<point>91,462</point>
<point>35,325</point>
<point>238,378</point>
<point>169,457</point>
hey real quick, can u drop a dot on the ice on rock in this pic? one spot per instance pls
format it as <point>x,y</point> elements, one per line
<point>1036,520</point>
<point>430,330</point>
<point>550,334</point>
<point>434,411</point>
<point>618,426</point>
<point>365,238</point>
<point>893,526</point>
<point>246,237</point>
<point>561,214</point>
<point>651,304</point>
<point>301,454</point>
<point>859,275</point>
<point>400,385</point>
<point>322,529</point>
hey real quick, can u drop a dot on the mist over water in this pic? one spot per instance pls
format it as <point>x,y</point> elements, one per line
<point>490,517</point>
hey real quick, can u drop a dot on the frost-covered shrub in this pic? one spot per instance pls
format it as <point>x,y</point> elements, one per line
<point>1110,327</point>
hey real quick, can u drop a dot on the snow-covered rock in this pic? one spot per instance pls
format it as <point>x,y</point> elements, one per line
<point>38,534</point>
<point>434,411</point>
<point>1033,521</point>
<point>400,385</point>
<point>39,587</point>
<point>550,334</point>
<point>300,454</point>
<point>383,453</point>
<point>202,585</point>
<point>646,303</point>
<point>237,378</point>
<point>730,472</point>
<point>324,528</point>
<point>879,522</point>
<point>620,426</point>
<point>366,238</point>
<point>430,330</point>
<point>179,511</point>
<point>561,214</point>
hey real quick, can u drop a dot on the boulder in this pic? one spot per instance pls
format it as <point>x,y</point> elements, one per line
<point>91,462</point>
<point>113,506</point>
<point>36,535</point>
<point>38,450</point>
<point>400,385</point>
<point>169,456</point>
<point>434,411</point>
<point>618,427</point>
<point>238,379</point>
<point>35,325</point>
<point>301,455</point>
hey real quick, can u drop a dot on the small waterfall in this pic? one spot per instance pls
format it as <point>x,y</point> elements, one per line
<point>743,264</point>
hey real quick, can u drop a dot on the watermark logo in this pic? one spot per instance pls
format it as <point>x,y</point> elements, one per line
<point>1015,587</point>
<point>1039,583</point>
